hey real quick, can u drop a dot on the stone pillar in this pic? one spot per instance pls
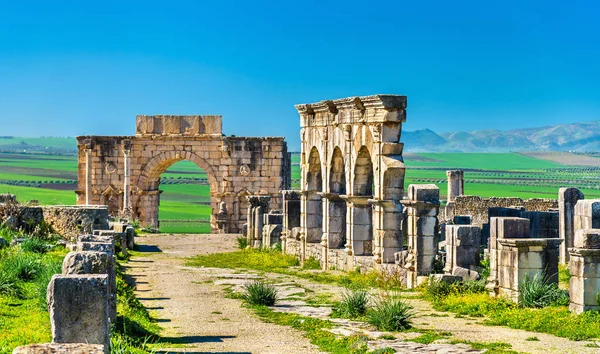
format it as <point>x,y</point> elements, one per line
<point>127,183</point>
<point>88,176</point>
<point>387,216</point>
<point>519,259</point>
<point>567,198</point>
<point>258,226</point>
<point>359,234</point>
<point>78,306</point>
<point>422,210</point>
<point>312,215</point>
<point>291,214</point>
<point>503,227</point>
<point>462,248</point>
<point>585,271</point>
<point>456,184</point>
<point>252,203</point>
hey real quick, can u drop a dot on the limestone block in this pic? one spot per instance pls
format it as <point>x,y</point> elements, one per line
<point>78,306</point>
<point>60,348</point>
<point>446,278</point>
<point>96,246</point>
<point>512,227</point>
<point>461,220</point>
<point>96,238</point>
<point>587,238</point>
<point>424,193</point>
<point>89,262</point>
<point>587,214</point>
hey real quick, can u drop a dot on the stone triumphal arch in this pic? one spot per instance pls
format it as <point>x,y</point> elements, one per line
<point>124,172</point>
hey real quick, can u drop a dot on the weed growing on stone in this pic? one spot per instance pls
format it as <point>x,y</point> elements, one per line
<point>428,337</point>
<point>258,292</point>
<point>490,347</point>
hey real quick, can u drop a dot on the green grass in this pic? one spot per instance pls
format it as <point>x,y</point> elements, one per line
<point>354,304</point>
<point>23,315</point>
<point>482,161</point>
<point>258,292</point>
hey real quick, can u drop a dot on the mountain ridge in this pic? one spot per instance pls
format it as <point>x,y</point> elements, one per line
<point>580,137</point>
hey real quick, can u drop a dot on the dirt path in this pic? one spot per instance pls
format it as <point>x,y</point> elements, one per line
<point>194,311</point>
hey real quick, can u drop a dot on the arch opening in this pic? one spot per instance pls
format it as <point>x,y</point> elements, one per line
<point>362,212</point>
<point>314,205</point>
<point>337,207</point>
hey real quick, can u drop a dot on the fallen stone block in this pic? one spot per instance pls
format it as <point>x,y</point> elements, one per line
<point>446,278</point>
<point>79,306</point>
<point>60,348</point>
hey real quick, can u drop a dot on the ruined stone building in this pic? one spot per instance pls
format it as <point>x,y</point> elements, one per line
<point>124,172</point>
<point>352,180</point>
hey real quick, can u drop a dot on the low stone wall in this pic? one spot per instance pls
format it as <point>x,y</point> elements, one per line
<point>337,259</point>
<point>477,207</point>
<point>314,250</point>
<point>68,221</point>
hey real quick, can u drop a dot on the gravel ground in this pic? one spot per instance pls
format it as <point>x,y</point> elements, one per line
<point>192,308</point>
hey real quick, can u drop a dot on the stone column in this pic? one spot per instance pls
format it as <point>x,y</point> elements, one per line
<point>422,210</point>
<point>585,271</point>
<point>127,182</point>
<point>88,176</point>
<point>456,184</point>
<point>258,226</point>
<point>567,198</point>
<point>312,215</point>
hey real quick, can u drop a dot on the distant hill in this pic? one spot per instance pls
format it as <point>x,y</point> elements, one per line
<point>43,145</point>
<point>579,137</point>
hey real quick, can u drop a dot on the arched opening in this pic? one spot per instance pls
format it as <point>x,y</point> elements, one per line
<point>314,205</point>
<point>362,212</point>
<point>185,201</point>
<point>337,206</point>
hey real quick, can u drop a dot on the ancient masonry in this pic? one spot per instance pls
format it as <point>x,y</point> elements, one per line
<point>352,182</point>
<point>123,172</point>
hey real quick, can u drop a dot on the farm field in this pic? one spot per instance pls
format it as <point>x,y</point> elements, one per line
<point>185,207</point>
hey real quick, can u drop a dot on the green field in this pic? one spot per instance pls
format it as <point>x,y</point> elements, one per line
<point>185,201</point>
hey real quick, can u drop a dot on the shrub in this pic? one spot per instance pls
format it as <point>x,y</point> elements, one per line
<point>538,292</point>
<point>390,315</point>
<point>437,289</point>
<point>35,245</point>
<point>8,284</point>
<point>259,293</point>
<point>354,304</point>
<point>242,242</point>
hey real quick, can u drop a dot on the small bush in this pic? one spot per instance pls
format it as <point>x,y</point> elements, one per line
<point>35,245</point>
<point>390,315</point>
<point>437,289</point>
<point>354,304</point>
<point>259,293</point>
<point>8,284</point>
<point>537,292</point>
<point>242,242</point>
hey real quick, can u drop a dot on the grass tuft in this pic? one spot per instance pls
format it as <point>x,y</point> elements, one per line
<point>259,293</point>
<point>354,304</point>
<point>242,242</point>
<point>35,245</point>
<point>390,314</point>
<point>537,292</point>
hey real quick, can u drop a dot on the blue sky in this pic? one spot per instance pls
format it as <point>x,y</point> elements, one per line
<point>88,67</point>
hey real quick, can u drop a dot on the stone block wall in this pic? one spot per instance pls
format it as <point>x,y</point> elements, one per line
<point>584,265</point>
<point>477,207</point>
